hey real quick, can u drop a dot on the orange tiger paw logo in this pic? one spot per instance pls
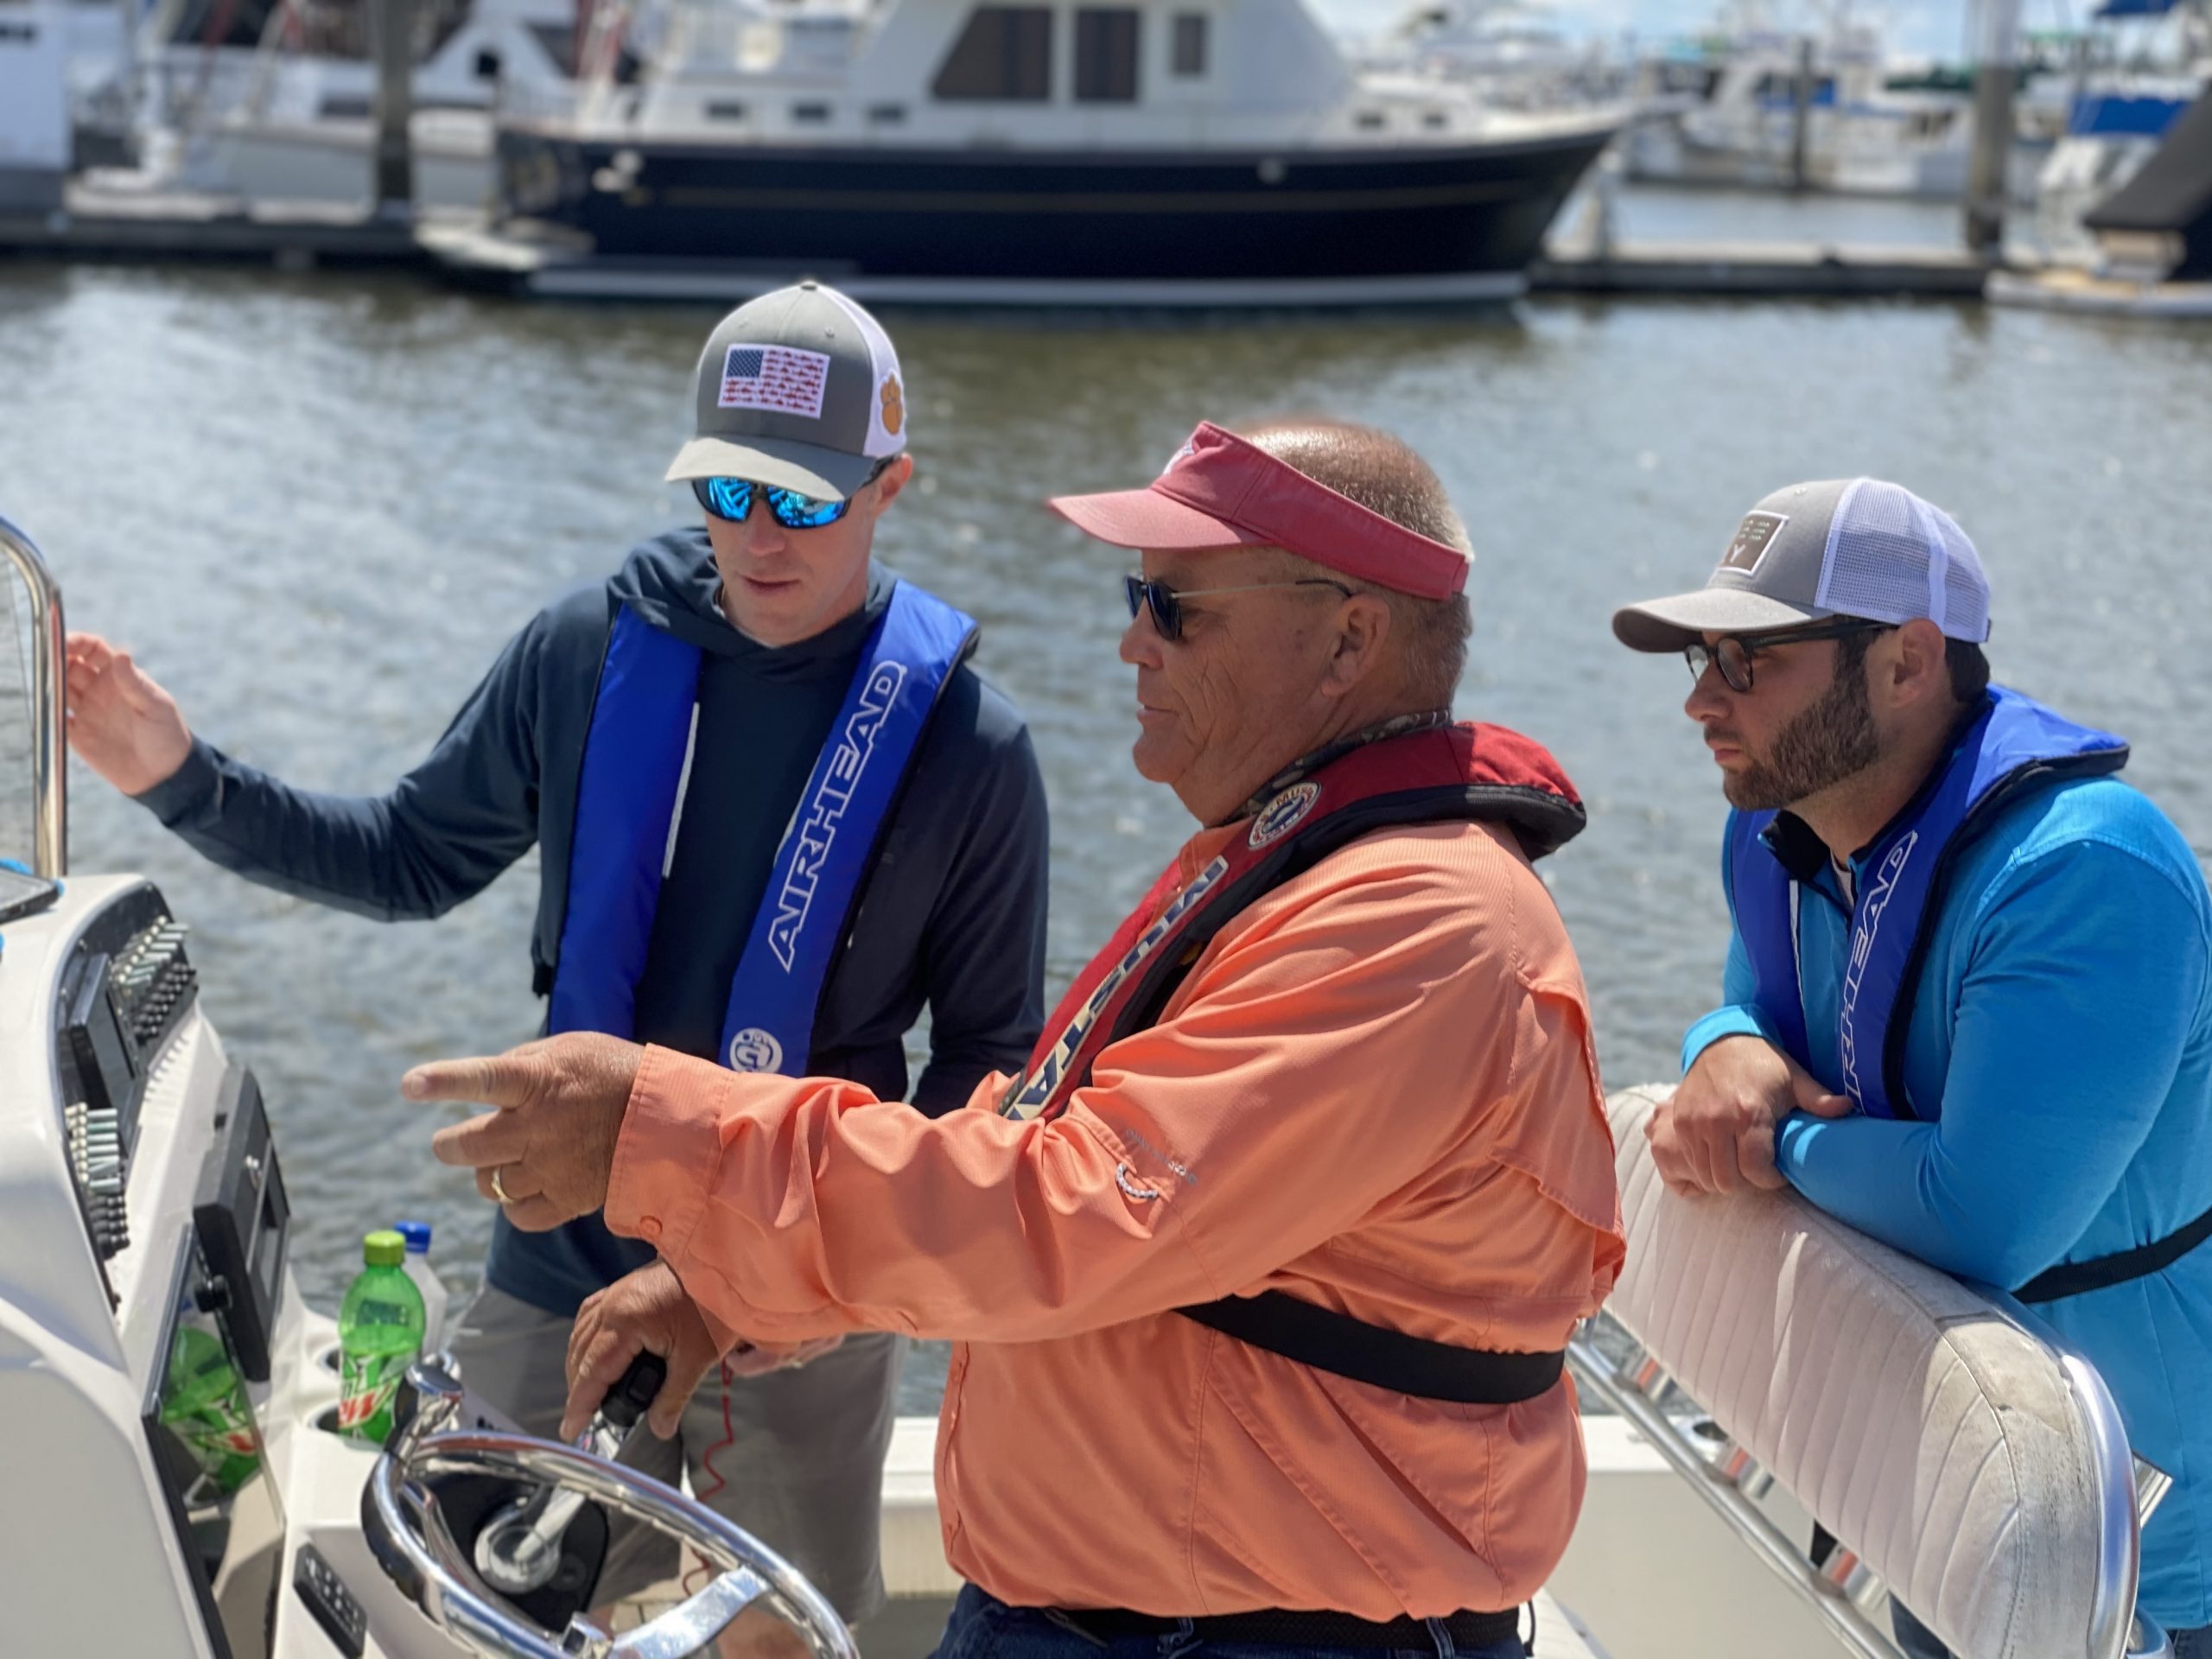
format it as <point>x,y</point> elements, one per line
<point>894,407</point>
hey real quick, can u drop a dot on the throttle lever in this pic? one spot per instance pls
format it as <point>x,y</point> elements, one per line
<point>632,1396</point>
<point>519,1549</point>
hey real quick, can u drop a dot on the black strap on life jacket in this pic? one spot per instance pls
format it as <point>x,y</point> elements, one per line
<point>1337,1343</point>
<point>2101,1272</point>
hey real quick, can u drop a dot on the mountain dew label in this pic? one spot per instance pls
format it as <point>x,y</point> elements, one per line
<point>222,1441</point>
<point>204,1405</point>
<point>379,1332</point>
<point>366,1384</point>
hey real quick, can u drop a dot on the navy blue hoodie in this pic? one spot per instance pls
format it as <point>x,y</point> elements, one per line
<point>952,914</point>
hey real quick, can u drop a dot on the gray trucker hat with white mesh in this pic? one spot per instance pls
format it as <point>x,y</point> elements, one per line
<point>799,390</point>
<point>1844,547</point>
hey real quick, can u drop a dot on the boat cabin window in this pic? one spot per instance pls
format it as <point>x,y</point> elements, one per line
<point>1369,120</point>
<point>1783,85</point>
<point>721,109</point>
<point>211,23</point>
<point>1106,54</point>
<point>1190,59</point>
<point>1003,55</point>
<point>887,115</point>
<point>809,114</point>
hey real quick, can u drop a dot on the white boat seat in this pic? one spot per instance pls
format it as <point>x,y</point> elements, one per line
<point>1560,1635</point>
<point>1958,1455</point>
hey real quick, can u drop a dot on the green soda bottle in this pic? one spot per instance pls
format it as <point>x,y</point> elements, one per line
<point>204,1405</point>
<point>379,1331</point>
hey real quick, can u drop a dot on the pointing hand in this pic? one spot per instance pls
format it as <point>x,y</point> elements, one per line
<point>544,1155</point>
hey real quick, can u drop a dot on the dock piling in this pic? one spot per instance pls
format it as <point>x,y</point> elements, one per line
<point>393,183</point>
<point>1997,47</point>
<point>1801,111</point>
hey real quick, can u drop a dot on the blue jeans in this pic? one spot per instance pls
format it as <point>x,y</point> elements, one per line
<point>984,1627</point>
<point>1919,1642</point>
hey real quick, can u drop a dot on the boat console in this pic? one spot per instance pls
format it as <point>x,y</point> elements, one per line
<point>176,1484</point>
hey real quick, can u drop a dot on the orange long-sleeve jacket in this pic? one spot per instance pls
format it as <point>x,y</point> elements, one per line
<point>1375,1091</point>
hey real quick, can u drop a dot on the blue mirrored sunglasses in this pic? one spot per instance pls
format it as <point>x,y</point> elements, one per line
<point>732,499</point>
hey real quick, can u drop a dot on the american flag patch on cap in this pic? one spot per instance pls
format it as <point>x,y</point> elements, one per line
<point>777,377</point>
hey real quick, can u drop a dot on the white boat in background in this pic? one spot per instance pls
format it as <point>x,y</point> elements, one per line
<point>1152,152</point>
<point>34,147</point>
<point>1871,127</point>
<point>2142,66</point>
<point>2151,253</point>
<point>1510,54</point>
<point>273,100</point>
<point>177,1489</point>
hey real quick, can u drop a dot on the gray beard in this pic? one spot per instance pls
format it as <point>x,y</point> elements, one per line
<point>1833,739</point>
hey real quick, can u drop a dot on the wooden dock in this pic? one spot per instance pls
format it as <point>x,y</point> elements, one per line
<point>106,222</point>
<point>1771,270</point>
<point>102,221</point>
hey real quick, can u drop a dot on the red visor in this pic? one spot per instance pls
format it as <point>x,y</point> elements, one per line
<point>1223,491</point>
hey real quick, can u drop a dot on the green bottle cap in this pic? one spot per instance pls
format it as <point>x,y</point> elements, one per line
<point>383,1249</point>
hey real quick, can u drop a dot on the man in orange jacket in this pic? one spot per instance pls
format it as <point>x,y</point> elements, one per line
<point>1259,1275</point>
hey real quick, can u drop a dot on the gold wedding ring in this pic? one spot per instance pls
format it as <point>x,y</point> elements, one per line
<point>499,1191</point>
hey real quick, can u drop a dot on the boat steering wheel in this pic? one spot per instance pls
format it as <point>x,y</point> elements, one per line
<point>410,1538</point>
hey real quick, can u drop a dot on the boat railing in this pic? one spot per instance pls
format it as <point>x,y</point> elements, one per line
<point>48,745</point>
<point>1962,1458</point>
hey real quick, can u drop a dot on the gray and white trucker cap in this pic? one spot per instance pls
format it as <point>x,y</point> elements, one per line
<point>1845,547</point>
<point>799,390</point>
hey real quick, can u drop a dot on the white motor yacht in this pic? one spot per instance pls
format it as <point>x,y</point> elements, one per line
<point>1207,152</point>
<point>1512,54</point>
<point>273,100</point>
<point>176,1486</point>
<point>1871,127</point>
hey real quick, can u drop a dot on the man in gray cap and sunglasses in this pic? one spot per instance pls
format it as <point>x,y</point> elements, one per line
<point>1967,1003</point>
<point>715,751</point>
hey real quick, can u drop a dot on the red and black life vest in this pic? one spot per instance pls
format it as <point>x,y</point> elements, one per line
<point>1448,774</point>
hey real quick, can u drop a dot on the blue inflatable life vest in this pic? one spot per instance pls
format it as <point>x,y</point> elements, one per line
<point>2014,745</point>
<point>635,763</point>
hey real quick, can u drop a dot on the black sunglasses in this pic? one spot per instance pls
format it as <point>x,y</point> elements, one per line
<point>1732,653</point>
<point>1166,603</point>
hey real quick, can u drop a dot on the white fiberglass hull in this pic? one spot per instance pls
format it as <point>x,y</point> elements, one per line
<point>333,160</point>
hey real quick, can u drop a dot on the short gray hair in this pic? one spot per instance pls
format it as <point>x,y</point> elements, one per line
<point>1383,474</point>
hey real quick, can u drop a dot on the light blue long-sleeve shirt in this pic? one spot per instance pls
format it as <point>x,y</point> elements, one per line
<point>2062,1026</point>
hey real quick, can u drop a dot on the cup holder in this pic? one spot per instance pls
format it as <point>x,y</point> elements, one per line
<point>327,1359</point>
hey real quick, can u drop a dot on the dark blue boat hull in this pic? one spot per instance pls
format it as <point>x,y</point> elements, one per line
<point>1003,217</point>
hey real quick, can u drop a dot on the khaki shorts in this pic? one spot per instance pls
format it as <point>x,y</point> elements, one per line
<point>794,1456</point>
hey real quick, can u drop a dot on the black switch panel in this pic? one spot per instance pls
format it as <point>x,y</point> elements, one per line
<point>330,1601</point>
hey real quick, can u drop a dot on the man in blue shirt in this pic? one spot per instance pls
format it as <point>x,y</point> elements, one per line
<point>1967,1003</point>
<point>716,751</point>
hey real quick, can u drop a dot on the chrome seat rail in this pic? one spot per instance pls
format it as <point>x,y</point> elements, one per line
<point>48,737</point>
<point>1842,1591</point>
<point>1631,1373</point>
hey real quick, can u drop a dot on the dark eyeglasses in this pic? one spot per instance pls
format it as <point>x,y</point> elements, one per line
<point>1732,652</point>
<point>1166,603</point>
<point>732,499</point>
